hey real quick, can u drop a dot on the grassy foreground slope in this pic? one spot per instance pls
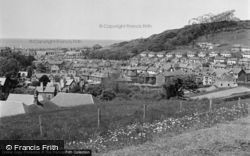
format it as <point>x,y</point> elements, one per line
<point>225,139</point>
<point>122,122</point>
<point>232,139</point>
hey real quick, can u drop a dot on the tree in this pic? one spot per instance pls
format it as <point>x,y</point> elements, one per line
<point>30,71</point>
<point>35,83</point>
<point>57,78</point>
<point>23,91</point>
<point>76,89</point>
<point>108,95</point>
<point>9,67</point>
<point>2,95</point>
<point>97,46</point>
<point>44,79</point>
<point>94,90</point>
<point>189,83</point>
<point>175,87</point>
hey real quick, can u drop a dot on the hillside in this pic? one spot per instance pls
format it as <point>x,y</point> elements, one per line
<point>226,32</point>
<point>120,122</point>
<point>224,139</point>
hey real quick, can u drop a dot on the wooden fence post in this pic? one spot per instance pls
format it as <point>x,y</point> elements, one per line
<point>180,106</point>
<point>98,117</point>
<point>210,105</point>
<point>40,125</point>
<point>144,112</point>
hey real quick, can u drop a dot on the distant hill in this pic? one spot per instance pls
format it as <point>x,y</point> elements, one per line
<point>225,32</point>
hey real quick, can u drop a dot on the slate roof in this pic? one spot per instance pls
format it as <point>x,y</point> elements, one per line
<point>10,108</point>
<point>72,52</point>
<point>72,99</point>
<point>46,90</point>
<point>123,79</point>
<point>236,70</point>
<point>23,98</point>
<point>41,52</point>
<point>55,62</point>
<point>46,106</point>
<point>247,71</point>
<point>145,52</point>
<point>219,58</point>
<point>2,81</point>
<point>54,67</point>
<point>69,82</point>
<point>174,73</point>
<point>99,74</point>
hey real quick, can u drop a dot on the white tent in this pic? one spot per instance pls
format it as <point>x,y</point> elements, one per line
<point>9,108</point>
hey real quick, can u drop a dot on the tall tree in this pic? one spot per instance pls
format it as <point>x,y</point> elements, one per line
<point>44,79</point>
<point>175,87</point>
<point>9,67</point>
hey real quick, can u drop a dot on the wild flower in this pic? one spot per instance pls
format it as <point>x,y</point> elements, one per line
<point>137,133</point>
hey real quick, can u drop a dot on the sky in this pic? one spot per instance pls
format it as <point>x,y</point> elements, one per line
<point>105,19</point>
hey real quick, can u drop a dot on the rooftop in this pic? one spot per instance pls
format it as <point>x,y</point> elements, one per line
<point>72,99</point>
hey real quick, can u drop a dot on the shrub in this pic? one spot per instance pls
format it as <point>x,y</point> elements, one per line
<point>35,83</point>
<point>95,90</point>
<point>108,95</point>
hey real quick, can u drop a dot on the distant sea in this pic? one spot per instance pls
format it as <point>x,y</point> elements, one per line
<point>53,43</point>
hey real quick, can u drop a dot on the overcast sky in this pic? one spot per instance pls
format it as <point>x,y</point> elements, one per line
<point>91,19</point>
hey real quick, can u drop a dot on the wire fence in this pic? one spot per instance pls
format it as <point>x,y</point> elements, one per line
<point>111,116</point>
<point>86,121</point>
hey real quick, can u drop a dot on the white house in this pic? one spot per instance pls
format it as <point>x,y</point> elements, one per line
<point>190,54</point>
<point>232,61</point>
<point>226,54</point>
<point>207,80</point>
<point>202,54</point>
<point>169,55</point>
<point>205,45</point>
<point>213,54</point>
<point>246,54</point>
<point>194,60</point>
<point>178,55</point>
<point>245,49</point>
<point>144,54</point>
<point>151,54</point>
<point>160,54</point>
<point>23,73</point>
<point>219,60</point>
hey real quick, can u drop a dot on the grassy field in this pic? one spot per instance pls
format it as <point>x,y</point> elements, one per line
<point>231,139</point>
<point>80,123</point>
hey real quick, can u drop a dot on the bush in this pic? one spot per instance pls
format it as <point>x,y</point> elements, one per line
<point>23,90</point>
<point>108,95</point>
<point>123,88</point>
<point>76,89</point>
<point>94,90</point>
<point>35,83</point>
